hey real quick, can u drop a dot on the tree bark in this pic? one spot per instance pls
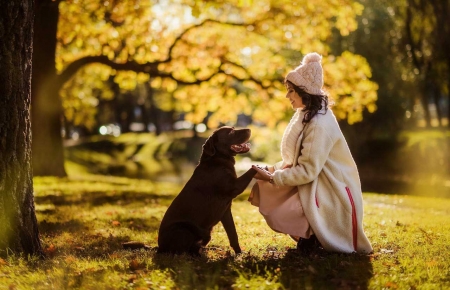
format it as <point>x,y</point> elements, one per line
<point>47,111</point>
<point>153,110</point>
<point>18,224</point>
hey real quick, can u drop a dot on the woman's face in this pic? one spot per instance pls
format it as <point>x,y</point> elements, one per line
<point>294,98</point>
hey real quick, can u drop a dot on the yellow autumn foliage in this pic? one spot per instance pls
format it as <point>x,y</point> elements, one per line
<point>235,53</point>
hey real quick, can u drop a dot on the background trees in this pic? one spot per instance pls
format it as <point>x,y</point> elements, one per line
<point>200,58</point>
<point>424,30</point>
<point>18,225</point>
<point>404,142</point>
<point>48,155</point>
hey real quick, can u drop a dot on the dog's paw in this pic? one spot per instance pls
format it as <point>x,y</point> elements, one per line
<point>237,250</point>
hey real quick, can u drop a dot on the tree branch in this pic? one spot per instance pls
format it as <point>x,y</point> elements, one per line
<point>72,68</point>
<point>150,67</point>
<point>250,77</point>
<point>180,36</point>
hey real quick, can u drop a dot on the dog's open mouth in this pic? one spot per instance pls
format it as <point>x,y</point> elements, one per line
<point>241,148</point>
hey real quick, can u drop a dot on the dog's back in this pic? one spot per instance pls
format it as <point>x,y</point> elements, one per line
<point>195,211</point>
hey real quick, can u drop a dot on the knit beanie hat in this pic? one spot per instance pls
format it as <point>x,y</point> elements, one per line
<point>308,74</point>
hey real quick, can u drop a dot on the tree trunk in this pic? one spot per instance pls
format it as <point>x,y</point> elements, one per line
<point>48,153</point>
<point>18,224</point>
<point>436,99</point>
<point>448,114</point>
<point>153,110</point>
<point>446,48</point>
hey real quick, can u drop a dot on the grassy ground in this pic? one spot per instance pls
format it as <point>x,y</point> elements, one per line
<point>84,221</point>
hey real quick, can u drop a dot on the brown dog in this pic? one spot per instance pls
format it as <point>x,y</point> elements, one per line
<point>206,198</point>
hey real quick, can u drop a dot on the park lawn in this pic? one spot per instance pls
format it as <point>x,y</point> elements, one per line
<point>83,222</point>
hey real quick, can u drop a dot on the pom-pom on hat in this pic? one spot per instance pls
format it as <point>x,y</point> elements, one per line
<point>308,74</point>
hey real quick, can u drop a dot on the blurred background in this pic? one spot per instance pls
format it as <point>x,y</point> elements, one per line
<point>134,87</point>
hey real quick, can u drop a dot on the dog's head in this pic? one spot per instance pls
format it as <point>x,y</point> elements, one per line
<point>227,141</point>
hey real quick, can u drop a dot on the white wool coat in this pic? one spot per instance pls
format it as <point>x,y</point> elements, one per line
<point>328,184</point>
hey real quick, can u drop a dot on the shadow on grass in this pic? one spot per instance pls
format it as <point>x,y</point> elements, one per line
<point>71,226</point>
<point>101,247</point>
<point>277,269</point>
<point>100,198</point>
<point>322,270</point>
<point>142,224</point>
<point>197,272</point>
<point>87,244</point>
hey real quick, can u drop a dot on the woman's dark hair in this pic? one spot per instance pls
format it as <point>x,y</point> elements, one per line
<point>313,103</point>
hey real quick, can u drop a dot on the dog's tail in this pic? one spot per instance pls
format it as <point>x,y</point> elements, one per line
<point>135,245</point>
<point>182,237</point>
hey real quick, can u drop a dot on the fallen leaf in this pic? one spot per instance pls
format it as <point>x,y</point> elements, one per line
<point>391,285</point>
<point>70,259</point>
<point>132,278</point>
<point>3,262</point>
<point>115,223</point>
<point>134,265</point>
<point>431,263</point>
<point>50,249</point>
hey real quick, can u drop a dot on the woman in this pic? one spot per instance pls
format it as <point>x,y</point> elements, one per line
<point>314,193</point>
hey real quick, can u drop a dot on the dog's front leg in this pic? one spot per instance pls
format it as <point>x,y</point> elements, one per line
<point>230,229</point>
<point>242,182</point>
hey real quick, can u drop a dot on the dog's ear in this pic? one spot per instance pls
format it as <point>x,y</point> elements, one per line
<point>208,147</point>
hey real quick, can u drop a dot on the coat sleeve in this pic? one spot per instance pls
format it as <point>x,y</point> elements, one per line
<point>278,165</point>
<point>316,149</point>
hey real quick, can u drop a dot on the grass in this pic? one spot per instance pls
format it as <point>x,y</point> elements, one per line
<point>83,222</point>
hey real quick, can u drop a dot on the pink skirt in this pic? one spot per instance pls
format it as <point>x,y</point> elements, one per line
<point>281,208</point>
